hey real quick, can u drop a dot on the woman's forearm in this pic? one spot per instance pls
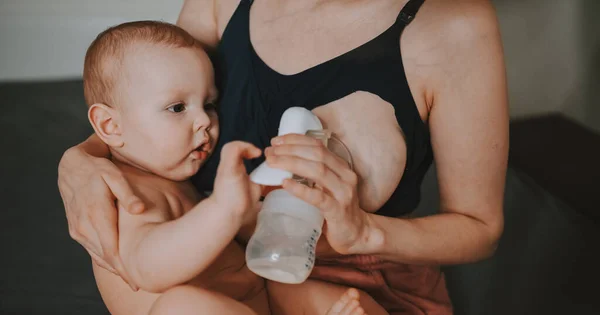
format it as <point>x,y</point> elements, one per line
<point>445,238</point>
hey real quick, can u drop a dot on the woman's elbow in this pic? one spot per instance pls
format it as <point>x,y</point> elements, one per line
<point>494,228</point>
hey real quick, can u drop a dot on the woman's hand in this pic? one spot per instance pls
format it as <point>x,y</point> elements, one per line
<point>89,187</point>
<point>348,227</point>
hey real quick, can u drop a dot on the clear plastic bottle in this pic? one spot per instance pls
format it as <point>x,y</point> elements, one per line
<point>283,245</point>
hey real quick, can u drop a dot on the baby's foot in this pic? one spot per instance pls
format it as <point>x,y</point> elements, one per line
<point>347,305</point>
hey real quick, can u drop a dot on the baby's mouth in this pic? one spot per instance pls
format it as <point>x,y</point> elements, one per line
<point>202,151</point>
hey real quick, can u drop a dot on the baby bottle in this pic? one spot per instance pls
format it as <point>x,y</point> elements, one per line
<point>282,247</point>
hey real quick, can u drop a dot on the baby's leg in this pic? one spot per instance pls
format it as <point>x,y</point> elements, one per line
<point>186,300</point>
<point>320,298</point>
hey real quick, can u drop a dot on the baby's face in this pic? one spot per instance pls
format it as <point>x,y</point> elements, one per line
<point>166,102</point>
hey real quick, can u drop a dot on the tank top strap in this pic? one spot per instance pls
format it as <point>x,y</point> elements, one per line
<point>408,12</point>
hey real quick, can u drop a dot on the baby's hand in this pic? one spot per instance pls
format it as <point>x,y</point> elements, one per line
<point>233,190</point>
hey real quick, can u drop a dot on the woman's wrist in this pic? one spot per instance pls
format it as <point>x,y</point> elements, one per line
<point>372,238</point>
<point>93,147</point>
<point>69,156</point>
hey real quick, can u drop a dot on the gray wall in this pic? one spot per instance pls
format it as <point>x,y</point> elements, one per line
<point>584,104</point>
<point>552,51</point>
<point>541,44</point>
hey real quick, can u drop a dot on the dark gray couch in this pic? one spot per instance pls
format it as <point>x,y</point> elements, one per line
<point>545,263</point>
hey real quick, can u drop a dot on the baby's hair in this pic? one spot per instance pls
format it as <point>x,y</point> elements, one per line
<point>103,57</point>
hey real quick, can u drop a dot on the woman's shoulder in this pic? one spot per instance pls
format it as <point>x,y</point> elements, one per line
<point>445,24</point>
<point>224,12</point>
<point>445,36</point>
<point>206,19</point>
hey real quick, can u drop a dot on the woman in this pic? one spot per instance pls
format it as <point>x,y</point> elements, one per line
<point>397,87</point>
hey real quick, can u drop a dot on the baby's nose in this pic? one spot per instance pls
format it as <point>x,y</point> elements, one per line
<point>202,122</point>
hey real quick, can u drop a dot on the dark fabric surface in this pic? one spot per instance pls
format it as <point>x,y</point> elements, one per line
<point>43,270</point>
<point>562,156</point>
<point>544,264</point>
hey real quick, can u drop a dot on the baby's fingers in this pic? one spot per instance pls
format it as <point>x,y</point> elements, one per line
<point>234,153</point>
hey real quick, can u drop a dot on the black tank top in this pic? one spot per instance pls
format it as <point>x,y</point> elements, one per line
<point>254,96</point>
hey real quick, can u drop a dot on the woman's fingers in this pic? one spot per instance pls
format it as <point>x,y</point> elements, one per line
<point>342,189</point>
<point>311,149</point>
<point>296,139</point>
<point>312,153</point>
<point>118,264</point>
<point>102,263</point>
<point>105,223</point>
<point>316,171</point>
<point>89,188</point>
<point>80,228</point>
<point>121,189</point>
<point>103,245</point>
<point>313,196</point>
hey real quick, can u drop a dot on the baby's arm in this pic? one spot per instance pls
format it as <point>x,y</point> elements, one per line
<point>159,252</point>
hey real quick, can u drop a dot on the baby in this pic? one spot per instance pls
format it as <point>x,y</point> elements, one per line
<point>151,96</point>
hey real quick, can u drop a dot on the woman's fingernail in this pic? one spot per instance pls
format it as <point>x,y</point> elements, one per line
<point>276,141</point>
<point>268,150</point>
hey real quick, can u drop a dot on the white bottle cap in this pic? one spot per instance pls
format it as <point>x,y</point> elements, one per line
<point>268,176</point>
<point>281,201</point>
<point>297,120</point>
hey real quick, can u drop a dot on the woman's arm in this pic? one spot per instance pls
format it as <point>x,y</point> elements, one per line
<point>469,129</point>
<point>206,19</point>
<point>469,132</point>
<point>89,185</point>
<point>199,18</point>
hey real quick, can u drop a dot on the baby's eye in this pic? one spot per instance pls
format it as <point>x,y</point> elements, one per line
<point>177,108</point>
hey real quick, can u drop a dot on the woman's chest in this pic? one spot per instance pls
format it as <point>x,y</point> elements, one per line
<point>367,126</point>
<point>289,64</point>
<point>309,34</point>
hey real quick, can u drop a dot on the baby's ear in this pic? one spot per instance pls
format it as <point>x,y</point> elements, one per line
<point>106,123</point>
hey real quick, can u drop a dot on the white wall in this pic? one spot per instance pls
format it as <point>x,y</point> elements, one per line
<point>47,39</point>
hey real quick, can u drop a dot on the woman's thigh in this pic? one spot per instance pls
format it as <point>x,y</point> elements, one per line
<point>313,297</point>
<point>399,288</point>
